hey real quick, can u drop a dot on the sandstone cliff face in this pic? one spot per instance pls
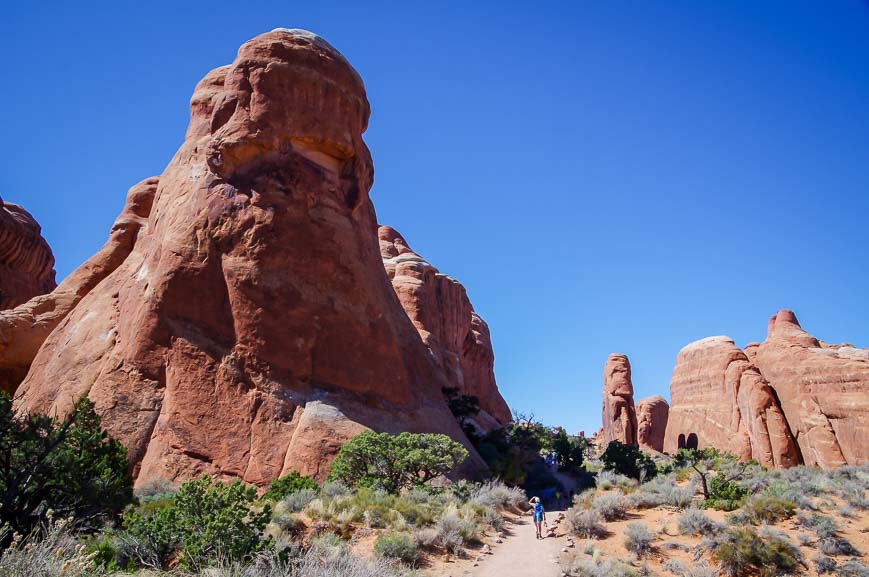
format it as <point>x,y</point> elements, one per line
<point>457,337</point>
<point>652,415</point>
<point>719,399</point>
<point>619,414</point>
<point>25,328</point>
<point>252,328</point>
<point>823,389</point>
<point>26,261</point>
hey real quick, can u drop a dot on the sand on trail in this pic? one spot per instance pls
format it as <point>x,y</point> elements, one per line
<point>521,554</point>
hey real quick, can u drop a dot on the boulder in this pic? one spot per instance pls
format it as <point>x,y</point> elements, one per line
<point>619,414</point>
<point>24,328</point>
<point>26,261</point>
<point>252,328</point>
<point>719,399</point>
<point>823,390</point>
<point>456,336</point>
<point>652,414</point>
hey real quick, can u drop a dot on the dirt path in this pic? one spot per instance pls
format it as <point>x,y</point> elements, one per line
<point>522,554</point>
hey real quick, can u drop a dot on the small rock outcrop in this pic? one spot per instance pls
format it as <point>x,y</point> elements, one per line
<point>457,337</point>
<point>619,413</point>
<point>25,328</point>
<point>26,260</point>
<point>252,328</point>
<point>652,415</point>
<point>823,390</point>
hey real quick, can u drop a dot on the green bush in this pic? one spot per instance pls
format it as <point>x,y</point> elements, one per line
<point>724,494</point>
<point>696,522</point>
<point>69,466</point>
<point>743,550</point>
<point>292,483</point>
<point>629,460</point>
<point>206,520</point>
<point>769,509</point>
<point>395,462</point>
<point>399,546</point>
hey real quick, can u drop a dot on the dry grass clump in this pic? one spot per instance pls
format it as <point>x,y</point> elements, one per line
<point>586,523</point>
<point>638,538</point>
<point>696,522</point>
<point>47,552</point>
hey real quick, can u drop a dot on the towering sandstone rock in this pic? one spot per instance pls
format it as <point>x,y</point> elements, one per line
<point>652,416</point>
<point>791,399</point>
<point>719,399</point>
<point>24,328</point>
<point>619,415</point>
<point>26,262</point>
<point>252,328</point>
<point>442,313</point>
<point>823,389</point>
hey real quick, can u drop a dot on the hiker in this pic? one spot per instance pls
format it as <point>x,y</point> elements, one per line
<point>539,515</point>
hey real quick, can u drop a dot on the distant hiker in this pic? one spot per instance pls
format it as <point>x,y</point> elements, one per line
<point>539,515</point>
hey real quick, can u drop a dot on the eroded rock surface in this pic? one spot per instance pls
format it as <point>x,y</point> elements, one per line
<point>720,399</point>
<point>26,260</point>
<point>823,389</point>
<point>25,328</point>
<point>652,415</point>
<point>619,413</point>
<point>457,337</point>
<point>252,327</point>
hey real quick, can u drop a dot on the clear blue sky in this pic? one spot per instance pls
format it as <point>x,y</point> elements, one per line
<point>602,176</point>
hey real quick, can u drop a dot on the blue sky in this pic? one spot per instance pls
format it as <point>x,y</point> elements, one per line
<point>602,176</point>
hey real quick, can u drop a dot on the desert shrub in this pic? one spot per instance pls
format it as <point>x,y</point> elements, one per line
<point>629,460</point>
<point>497,495</point>
<point>296,501</point>
<point>586,523</point>
<point>638,538</point>
<point>205,520</point>
<point>399,546</point>
<point>853,568</point>
<point>824,527</point>
<point>48,551</point>
<point>663,490</point>
<point>612,507</point>
<point>292,483</point>
<point>155,489</point>
<point>395,462</point>
<point>742,549</point>
<point>696,522</point>
<point>69,466</point>
<point>762,509</point>
<point>701,569</point>
<point>837,546</point>
<point>847,511</point>
<point>824,564</point>
<point>325,558</point>
<point>724,494</point>
<point>334,489</point>
<point>607,479</point>
<point>576,565</point>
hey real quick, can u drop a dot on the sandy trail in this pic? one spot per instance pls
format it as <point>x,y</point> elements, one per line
<point>522,554</point>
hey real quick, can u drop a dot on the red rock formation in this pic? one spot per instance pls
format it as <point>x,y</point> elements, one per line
<point>252,329</point>
<point>24,328</point>
<point>619,415</point>
<point>442,313</point>
<point>719,399</point>
<point>823,389</point>
<point>26,262</point>
<point>652,415</point>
